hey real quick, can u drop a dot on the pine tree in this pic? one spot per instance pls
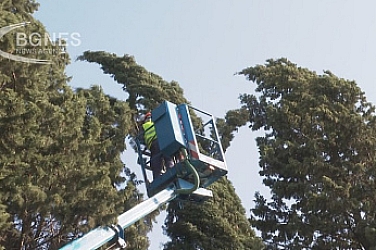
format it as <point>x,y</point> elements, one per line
<point>23,101</point>
<point>317,157</point>
<point>220,223</point>
<point>115,119</point>
<point>145,90</point>
<point>60,167</point>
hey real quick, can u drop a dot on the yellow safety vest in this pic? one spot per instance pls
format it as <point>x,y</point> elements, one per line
<point>149,133</point>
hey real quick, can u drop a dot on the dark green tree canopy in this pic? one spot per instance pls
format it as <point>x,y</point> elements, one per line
<point>60,165</point>
<point>60,162</point>
<point>145,89</point>
<point>220,223</point>
<point>19,8</point>
<point>317,157</point>
<point>216,224</point>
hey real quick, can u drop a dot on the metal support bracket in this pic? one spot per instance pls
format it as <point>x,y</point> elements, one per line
<point>119,238</point>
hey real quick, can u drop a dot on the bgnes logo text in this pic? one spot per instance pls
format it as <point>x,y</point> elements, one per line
<point>36,44</point>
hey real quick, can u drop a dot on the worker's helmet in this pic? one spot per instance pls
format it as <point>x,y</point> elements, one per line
<point>143,117</point>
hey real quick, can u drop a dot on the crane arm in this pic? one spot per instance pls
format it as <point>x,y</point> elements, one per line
<point>101,235</point>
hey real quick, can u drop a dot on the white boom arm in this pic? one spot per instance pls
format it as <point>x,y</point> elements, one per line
<point>101,235</point>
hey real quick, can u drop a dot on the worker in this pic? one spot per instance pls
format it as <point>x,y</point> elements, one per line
<point>150,140</point>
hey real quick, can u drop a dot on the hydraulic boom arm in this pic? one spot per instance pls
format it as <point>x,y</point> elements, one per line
<point>101,235</point>
<point>195,169</point>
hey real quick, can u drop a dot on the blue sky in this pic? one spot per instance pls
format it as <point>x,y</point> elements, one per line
<point>201,44</point>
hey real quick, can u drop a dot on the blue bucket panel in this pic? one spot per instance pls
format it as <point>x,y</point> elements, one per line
<point>168,129</point>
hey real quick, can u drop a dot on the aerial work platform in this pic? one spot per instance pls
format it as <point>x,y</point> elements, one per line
<point>197,151</point>
<point>198,162</point>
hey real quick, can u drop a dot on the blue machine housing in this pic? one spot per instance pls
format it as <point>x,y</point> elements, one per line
<point>175,132</point>
<point>167,126</point>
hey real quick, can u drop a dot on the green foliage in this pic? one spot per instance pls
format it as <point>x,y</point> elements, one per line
<point>21,9</point>
<point>233,120</point>
<point>216,224</point>
<point>60,167</point>
<point>195,226</point>
<point>60,164</point>
<point>317,157</point>
<point>145,89</point>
